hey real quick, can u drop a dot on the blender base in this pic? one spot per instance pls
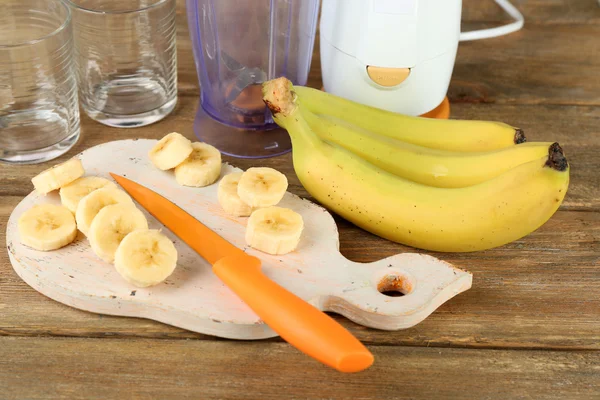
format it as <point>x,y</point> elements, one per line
<point>238,142</point>
<point>440,112</point>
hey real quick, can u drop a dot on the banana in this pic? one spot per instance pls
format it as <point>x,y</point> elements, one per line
<point>262,187</point>
<point>111,225</point>
<point>274,230</point>
<point>434,167</point>
<point>478,217</point>
<point>47,227</point>
<point>201,168</point>
<point>71,194</point>
<point>453,135</point>
<point>170,151</point>
<point>145,258</point>
<point>90,205</point>
<point>58,176</point>
<point>227,195</point>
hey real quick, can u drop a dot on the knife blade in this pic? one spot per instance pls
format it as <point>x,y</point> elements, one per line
<point>245,76</point>
<point>231,63</point>
<point>299,323</point>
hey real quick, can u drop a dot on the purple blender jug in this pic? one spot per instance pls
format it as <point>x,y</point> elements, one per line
<point>238,44</point>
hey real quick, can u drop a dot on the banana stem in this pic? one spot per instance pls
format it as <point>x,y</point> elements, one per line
<point>282,100</point>
<point>279,96</point>
<point>520,136</point>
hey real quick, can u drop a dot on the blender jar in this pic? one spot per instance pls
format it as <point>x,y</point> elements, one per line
<point>238,44</point>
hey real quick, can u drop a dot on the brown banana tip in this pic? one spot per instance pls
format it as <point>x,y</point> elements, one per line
<point>274,109</point>
<point>556,158</point>
<point>279,96</point>
<point>520,136</point>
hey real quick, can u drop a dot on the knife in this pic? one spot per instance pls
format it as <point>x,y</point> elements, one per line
<point>299,323</point>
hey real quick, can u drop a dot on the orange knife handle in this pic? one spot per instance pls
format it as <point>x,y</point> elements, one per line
<point>303,326</point>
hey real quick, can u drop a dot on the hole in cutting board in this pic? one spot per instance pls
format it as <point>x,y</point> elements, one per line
<point>392,293</point>
<point>394,285</point>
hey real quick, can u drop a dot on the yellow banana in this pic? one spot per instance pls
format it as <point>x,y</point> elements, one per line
<point>473,218</point>
<point>434,167</point>
<point>454,135</point>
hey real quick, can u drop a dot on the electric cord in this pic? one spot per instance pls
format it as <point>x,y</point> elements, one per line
<point>500,30</point>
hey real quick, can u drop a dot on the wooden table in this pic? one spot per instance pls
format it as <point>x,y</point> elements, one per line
<point>528,329</point>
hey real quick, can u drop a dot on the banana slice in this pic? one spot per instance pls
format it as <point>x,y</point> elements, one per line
<point>274,230</point>
<point>201,168</point>
<point>111,225</point>
<point>170,151</point>
<point>47,227</point>
<point>145,258</point>
<point>227,195</point>
<point>71,194</point>
<point>91,204</point>
<point>58,176</point>
<point>262,187</point>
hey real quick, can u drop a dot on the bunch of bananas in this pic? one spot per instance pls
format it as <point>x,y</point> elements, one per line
<point>441,185</point>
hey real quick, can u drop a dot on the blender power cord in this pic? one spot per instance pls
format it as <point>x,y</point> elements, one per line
<point>500,30</point>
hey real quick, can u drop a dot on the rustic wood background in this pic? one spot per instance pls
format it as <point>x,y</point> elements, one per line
<point>529,327</point>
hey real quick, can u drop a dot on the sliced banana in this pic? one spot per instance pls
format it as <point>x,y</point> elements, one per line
<point>262,187</point>
<point>227,195</point>
<point>274,230</point>
<point>47,227</point>
<point>201,168</point>
<point>71,194</point>
<point>91,204</point>
<point>170,151</point>
<point>145,258</point>
<point>58,176</point>
<point>111,225</point>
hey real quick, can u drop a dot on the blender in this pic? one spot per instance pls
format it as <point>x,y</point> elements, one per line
<point>237,45</point>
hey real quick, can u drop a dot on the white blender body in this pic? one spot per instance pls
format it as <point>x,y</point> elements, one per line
<point>397,55</point>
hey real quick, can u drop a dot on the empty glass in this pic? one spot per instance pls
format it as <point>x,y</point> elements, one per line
<point>238,44</point>
<point>126,59</point>
<point>39,114</point>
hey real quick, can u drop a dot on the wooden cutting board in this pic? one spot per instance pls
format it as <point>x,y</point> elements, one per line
<point>194,298</point>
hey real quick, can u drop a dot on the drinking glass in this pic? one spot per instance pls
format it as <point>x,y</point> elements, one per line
<point>126,59</point>
<point>238,44</point>
<point>39,113</point>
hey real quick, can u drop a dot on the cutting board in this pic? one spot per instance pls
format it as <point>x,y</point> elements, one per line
<point>194,298</point>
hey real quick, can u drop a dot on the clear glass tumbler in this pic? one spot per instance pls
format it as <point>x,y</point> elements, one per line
<point>39,113</point>
<point>126,59</point>
<point>238,44</point>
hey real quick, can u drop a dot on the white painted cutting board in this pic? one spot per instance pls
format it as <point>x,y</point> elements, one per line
<point>194,298</point>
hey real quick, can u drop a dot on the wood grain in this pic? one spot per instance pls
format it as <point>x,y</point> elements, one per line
<point>547,12</point>
<point>538,65</point>
<point>143,369</point>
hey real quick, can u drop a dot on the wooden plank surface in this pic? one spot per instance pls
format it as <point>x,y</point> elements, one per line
<point>548,12</point>
<point>535,301</point>
<point>538,65</point>
<point>142,369</point>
